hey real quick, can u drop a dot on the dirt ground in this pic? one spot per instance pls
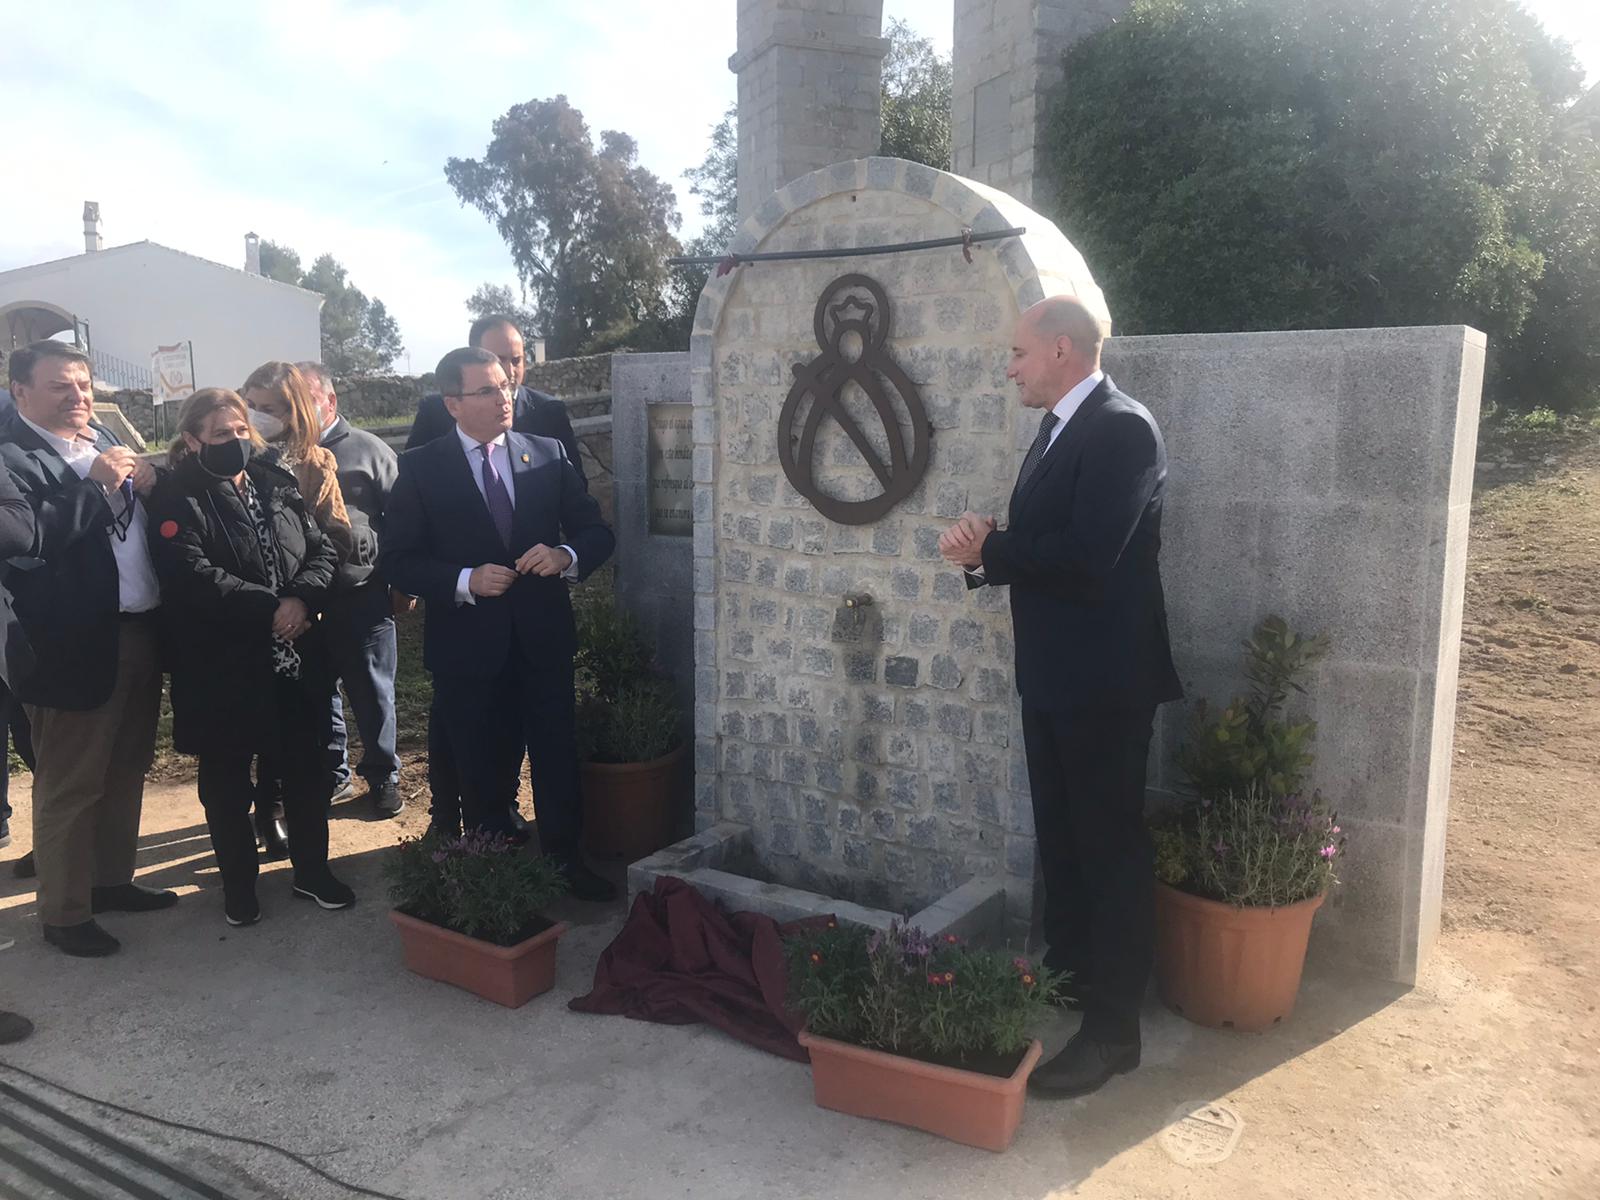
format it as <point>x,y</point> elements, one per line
<point>1483,1081</point>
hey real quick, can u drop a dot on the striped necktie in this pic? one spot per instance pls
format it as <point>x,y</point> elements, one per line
<point>1041,442</point>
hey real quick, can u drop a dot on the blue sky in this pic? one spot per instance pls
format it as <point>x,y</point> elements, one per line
<point>325,124</point>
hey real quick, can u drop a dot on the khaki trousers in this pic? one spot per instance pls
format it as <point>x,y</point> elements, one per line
<point>88,784</point>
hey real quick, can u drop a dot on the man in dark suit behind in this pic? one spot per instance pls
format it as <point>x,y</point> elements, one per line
<point>531,412</point>
<point>486,525</point>
<point>1080,555</point>
<point>80,646</point>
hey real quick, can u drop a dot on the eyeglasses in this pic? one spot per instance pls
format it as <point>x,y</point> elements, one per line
<point>483,393</point>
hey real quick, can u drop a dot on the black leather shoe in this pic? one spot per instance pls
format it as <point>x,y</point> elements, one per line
<point>84,940</point>
<point>584,884</point>
<point>130,897</point>
<point>1083,1066</point>
<point>273,833</point>
<point>327,891</point>
<point>13,1028</point>
<point>386,800</point>
<point>25,868</point>
<point>444,832</point>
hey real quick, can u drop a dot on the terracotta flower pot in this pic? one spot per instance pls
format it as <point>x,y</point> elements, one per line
<point>1236,968</point>
<point>508,975</point>
<point>628,808</point>
<point>964,1106</point>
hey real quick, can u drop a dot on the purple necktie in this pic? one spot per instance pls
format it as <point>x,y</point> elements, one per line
<point>494,492</point>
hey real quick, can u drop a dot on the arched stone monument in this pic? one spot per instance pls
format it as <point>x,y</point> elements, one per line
<point>871,747</point>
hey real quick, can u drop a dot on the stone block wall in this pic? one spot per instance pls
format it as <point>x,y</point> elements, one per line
<point>1006,58</point>
<point>1327,477</point>
<point>586,375</point>
<point>810,88</point>
<point>875,752</point>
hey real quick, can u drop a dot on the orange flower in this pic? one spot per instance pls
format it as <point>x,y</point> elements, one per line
<point>949,976</point>
<point>1027,981</point>
<point>816,958</point>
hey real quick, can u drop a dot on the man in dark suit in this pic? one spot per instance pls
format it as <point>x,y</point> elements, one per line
<point>532,413</point>
<point>486,526</point>
<point>80,646</point>
<point>1080,555</point>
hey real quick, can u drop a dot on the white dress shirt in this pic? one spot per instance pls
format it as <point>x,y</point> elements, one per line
<point>500,456</point>
<point>137,589</point>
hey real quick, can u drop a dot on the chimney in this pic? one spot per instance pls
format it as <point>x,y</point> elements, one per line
<point>252,254</point>
<point>91,226</point>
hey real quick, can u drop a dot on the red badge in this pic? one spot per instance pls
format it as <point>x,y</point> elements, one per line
<point>169,529</point>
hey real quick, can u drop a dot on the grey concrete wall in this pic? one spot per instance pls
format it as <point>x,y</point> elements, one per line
<point>887,771</point>
<point>810,89</point>
<point>654,573</point>
<point>1006,58</point>
<point>1327,477</point>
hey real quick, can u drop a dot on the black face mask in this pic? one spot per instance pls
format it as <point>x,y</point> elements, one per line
<point>224,459</point>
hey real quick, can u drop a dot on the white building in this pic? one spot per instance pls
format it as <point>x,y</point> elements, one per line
<point>124,302</point>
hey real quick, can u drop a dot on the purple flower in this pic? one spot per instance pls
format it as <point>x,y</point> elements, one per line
<point>439,856</point>
<point>1328,851</point>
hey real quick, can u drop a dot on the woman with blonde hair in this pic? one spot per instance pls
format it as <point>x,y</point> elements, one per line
<point>244,569</point>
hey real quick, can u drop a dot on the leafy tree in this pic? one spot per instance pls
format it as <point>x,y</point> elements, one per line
<point>494,299</point>
<point>359,337</point>
<point>1334,163</point>
<point>280,263</point>
<point>916,99</point>
<point>589,229</point>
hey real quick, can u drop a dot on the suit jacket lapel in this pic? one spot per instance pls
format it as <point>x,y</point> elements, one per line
<point>42,452</point>
<point>1058,448</point>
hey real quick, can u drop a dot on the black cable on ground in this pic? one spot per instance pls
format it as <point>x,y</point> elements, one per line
<point>184,1127</point>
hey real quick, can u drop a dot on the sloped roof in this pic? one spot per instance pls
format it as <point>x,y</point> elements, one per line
<point>46,268</point>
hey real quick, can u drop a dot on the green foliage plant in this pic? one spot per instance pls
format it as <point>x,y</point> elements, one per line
<point>1250,743</point>
<point>626,711</point>
<point>939,999</point>
<point>1248,835</point>
<point>481,885</point>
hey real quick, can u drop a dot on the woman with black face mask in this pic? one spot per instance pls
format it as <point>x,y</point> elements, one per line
<point>244,569</point>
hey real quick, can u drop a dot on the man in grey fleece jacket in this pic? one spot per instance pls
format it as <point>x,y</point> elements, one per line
<point>360,616</point>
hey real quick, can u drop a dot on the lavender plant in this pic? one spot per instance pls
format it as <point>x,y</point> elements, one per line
<point>481,885</point>
<point>939,999</point>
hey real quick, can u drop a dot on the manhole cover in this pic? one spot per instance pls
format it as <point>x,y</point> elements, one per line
<point>1201,1133</point>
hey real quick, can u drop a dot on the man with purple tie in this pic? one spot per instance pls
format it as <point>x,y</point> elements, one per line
<point>487,526</point>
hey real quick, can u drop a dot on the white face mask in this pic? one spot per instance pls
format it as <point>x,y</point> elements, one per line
<point>267,425</point>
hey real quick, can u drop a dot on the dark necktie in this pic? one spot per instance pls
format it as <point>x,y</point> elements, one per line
<point>494,492</point>
<point>1041,442</point>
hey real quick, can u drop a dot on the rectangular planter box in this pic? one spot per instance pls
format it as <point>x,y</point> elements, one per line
<point>964,1106</point>
<point>508,975</point>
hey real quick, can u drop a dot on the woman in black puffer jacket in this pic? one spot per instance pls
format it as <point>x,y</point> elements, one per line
<point>244,570</point>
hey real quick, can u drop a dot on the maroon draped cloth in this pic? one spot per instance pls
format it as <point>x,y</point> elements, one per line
<point>680,960</point>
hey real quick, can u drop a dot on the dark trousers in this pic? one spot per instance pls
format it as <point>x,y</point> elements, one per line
<point>365,654</point>
<point>14,731</point>
<point>226,791</point>
<point>1087,774</point>
<point>487,723</point>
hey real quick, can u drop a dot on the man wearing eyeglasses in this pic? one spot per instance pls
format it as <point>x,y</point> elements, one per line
<point>486,526</point>
<point>80,646</point>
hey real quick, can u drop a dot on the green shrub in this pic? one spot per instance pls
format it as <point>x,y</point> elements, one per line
<point>626,711</point>
<point>904,992</point>
<point>1249,745</point>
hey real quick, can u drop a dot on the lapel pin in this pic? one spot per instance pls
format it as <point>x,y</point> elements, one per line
<point>524,458</point>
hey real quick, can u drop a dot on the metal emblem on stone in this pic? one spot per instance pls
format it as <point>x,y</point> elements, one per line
<point>852,323</point>
<point>1201,1133</point>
